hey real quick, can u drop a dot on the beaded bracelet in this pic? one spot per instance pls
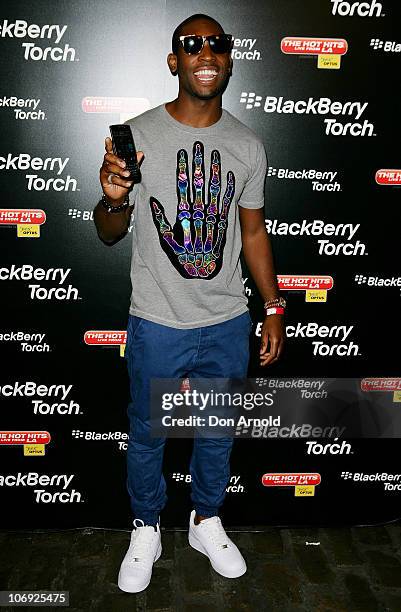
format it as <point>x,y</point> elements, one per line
<point>114,209</point>
<point>280,301</point>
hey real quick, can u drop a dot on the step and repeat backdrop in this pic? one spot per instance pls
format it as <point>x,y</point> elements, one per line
<point>318,81</point>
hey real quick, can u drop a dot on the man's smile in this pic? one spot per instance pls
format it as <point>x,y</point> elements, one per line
<point>206,75</point>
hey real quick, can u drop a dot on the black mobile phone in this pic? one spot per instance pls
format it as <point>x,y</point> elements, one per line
<point>124,147</point>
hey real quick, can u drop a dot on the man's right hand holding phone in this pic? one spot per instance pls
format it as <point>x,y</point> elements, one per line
<point>116,183</point>
<point>114,176</point>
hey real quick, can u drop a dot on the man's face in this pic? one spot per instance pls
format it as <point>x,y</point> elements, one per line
<point>203,75</point>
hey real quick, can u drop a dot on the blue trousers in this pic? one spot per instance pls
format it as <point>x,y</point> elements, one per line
<point>159,351</point>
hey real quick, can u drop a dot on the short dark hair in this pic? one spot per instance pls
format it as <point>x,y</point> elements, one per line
<point>177,31</point>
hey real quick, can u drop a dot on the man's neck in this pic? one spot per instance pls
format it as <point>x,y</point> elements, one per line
<point>195,112</point>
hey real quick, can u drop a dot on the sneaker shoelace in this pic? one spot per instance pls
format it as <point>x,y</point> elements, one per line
<point>215,531</point>
<point>140,543</point>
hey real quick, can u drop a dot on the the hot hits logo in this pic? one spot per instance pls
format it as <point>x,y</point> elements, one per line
<point>384,385</point>
<point>21,29</point>
<point>124,106</point>
<point>107,338</point>
<point>27,220</point>
<point>388,176</point>
<point>304,483</point>
<point>315,287</point>
<point>328,50</point>
<point>33,442</point>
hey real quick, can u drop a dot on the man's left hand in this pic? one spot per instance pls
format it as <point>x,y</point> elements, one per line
<point>273,338</point>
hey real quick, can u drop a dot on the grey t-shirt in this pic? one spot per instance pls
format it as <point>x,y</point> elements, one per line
<point>185,268</point>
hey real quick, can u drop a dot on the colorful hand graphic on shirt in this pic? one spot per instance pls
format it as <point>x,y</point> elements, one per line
<point>196,242</point>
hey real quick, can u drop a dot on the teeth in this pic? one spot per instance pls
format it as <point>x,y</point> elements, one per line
<point>206,73</point>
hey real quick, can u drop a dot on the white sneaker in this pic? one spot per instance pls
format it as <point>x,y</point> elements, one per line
<point>144,550</point>
<point>209,538</point>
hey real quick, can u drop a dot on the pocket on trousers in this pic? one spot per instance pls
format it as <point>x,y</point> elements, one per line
<point>134,325</point>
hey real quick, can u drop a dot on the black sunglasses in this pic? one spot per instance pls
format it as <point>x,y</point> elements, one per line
<point>218,43</point>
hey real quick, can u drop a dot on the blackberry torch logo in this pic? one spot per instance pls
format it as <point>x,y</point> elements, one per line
<point>321,180</point>
<point>373,281</point>
<point>26,272</point>
<point>21,29</point>
<point>27,342</point>
<point>34,479</point>
<point>330,448</point>
<point>321,230</point>
<point>34,182</point>
<point>343,345</point>
<point>391,482</point>
<point>96,436</point>
<point>234,484</point>
<point>42,396</point>
<point>244,49</point>
<point>23,108</point>
<point>316,106</point>
<point>387,46</point>
<point>357,9</point>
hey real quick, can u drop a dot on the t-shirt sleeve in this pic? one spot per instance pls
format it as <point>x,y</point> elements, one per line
<point>252,195</point>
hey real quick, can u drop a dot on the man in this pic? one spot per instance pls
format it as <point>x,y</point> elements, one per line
<point>199,200</point>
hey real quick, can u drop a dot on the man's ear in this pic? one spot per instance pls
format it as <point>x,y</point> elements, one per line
<point>172,63</point>
<point>230,72</point>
